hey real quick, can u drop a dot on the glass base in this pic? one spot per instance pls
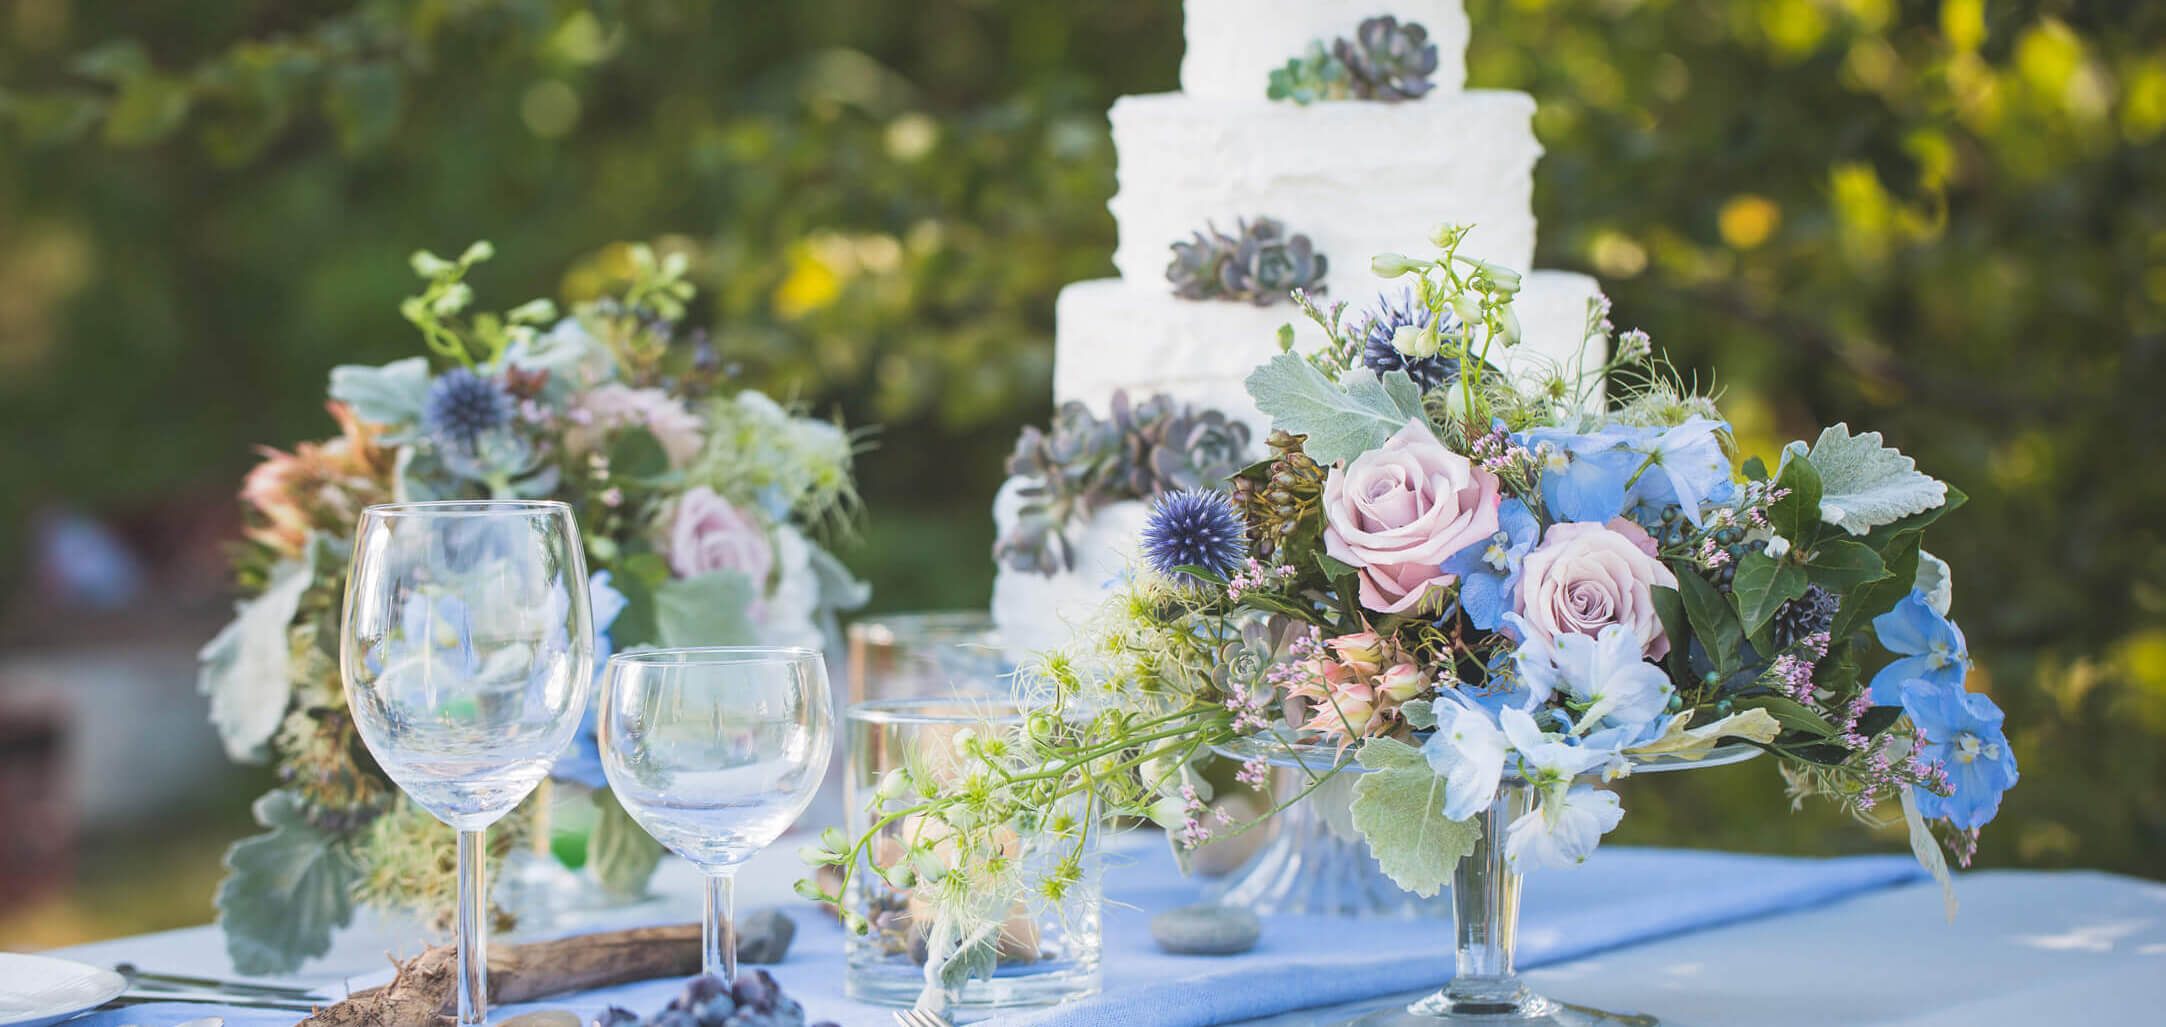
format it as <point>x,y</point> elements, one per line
<point>900,983</point>
<point>1524,1009</point>
<point>1311,868</point>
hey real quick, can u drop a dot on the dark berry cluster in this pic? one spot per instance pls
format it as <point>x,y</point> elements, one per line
<point>755,1001</point>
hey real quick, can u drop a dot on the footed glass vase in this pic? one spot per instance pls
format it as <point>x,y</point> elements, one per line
<point>1485,989</point>
<point>1316,864</point>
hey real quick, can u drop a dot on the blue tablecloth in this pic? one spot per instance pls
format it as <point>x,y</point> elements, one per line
<point>1620,896</point>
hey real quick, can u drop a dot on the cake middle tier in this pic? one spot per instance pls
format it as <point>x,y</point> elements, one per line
<point>1358,178</point>
<point>1111,335</point>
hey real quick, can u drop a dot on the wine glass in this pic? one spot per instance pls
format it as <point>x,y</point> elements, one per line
<point>467,650</point>
<point>716,751</point>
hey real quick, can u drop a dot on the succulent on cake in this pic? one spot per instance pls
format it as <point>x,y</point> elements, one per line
<point>1262,264</point>
<point>1388,61</point>
<point>1385,61</point>
<point>1085,463</point>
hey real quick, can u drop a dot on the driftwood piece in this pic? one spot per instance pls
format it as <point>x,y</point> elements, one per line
<point>425,991</point>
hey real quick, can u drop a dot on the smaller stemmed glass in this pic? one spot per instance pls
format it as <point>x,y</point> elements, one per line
<point>467,650</point>
<point>716,752</point>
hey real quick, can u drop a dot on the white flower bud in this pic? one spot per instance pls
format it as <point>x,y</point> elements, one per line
<point>1392,265</point>
<point>1417,341</point>
<point>1508,322</point>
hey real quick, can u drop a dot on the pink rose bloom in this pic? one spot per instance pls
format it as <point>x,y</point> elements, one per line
<point>606,408</point>
<point>708,534</point>
<point>1399,510</point>
<point>1586,576</point>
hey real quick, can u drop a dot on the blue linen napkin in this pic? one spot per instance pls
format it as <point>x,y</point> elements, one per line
<point>1618,897</point>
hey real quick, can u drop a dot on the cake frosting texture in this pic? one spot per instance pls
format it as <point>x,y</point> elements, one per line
<point>1234,44</point>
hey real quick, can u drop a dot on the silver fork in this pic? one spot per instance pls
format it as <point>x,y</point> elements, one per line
<point>915,1017</point>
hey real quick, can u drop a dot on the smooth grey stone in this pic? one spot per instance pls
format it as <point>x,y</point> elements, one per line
<point>764,936</point>
<point>1206,930</point>
<point>542,1018</point>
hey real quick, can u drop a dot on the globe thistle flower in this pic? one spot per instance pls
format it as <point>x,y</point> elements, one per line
<point>463,406</point>
<point>1379,354</point>
<point>1194,529</point>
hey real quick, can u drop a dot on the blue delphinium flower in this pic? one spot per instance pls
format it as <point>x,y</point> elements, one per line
<point>1929,646</point>
<point>1963,735</point>
<point>1621,468</point>
<point>1194,529</point>
<point>1380,355</point>
<point>463,406</point>
<point>1489,574</point>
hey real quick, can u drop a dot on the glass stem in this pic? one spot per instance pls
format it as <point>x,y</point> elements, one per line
<point>473,930</point>
<point>718,936</point>
<point>1485,918</point>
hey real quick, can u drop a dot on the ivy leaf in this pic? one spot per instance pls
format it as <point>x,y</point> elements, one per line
<point>285,890</point>
<point>1762,585</point>
<point>1342,419</point>
<point>1842,565</point>
<point>391,395</point>
<point>1399,807</point>
<point>710,609</point>
<point>1874,598</point>
<point>1865,484</point>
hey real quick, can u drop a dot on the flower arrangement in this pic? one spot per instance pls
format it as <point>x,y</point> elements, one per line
<point>700,503</point>
<point>1456,578</point>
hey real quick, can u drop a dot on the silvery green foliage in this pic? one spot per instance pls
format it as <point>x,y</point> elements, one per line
<point>706,610</point>
<point>244,669</point>
<point>1864,484</point>
<point>287,890</point>
<point>1399,807</point>
<point>1342,420</point>
<point>391,395</point>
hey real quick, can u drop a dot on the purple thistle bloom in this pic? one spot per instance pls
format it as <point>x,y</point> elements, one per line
<point>1379,355</point>
<point>1194,529</point>
<point>463,406</point>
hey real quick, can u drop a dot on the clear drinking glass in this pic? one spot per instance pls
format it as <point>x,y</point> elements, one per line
<point>716,752</point>
<point>1044,950</point>
<point>467,650</point>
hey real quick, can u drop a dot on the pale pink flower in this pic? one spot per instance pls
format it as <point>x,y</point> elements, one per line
<point>1399,510</point>
<point>1586,576</point>
<point>708,534</point>
<point>606,408</point>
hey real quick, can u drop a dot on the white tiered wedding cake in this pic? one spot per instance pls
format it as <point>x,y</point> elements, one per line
<point>1358,177</point>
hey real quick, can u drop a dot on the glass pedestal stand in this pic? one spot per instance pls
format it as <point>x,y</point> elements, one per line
<point>1484,989</point>
<point>1315,863</point>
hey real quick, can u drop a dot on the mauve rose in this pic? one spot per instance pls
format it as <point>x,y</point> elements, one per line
<point>605,408</point>
<point>708,534</point>
<point>1399,510</point>
<point>1585,576</point>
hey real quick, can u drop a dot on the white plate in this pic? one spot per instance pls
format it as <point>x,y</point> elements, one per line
<point>40,990</point>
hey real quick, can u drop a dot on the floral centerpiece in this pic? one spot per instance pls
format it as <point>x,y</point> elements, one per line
<point>1461,583</point>
<point>700,502</point>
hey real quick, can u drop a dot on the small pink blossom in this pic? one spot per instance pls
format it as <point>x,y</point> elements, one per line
<point>708,534</point>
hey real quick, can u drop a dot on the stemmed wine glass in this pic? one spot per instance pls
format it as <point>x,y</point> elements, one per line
<point>715,752</point>
<point>467,650</point>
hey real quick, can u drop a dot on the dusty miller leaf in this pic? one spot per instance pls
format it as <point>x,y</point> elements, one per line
<point>284,891</point>
<point>1342,420</point>
<point>390,395</point>
<point>1864,484</point>
<point>1399,807</point>
<point>711,609</point>
<point>244,670</point>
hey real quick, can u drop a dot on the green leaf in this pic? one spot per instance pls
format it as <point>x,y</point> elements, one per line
<point>637,454</point>
<point>391,395</point>
<point>1874,598</point>
<point>1865,484</point>
<point>362,101</point>
<point>285,890</point>
<point>1842,565</point>
<point>1791,714</point>
<point>147,109</point>
<point>1341,419</point>
<point>1714,623</point>
<point>1762,584</point>
<point>1877,719</point>
<point>621,852</point>
<point>1399,807</point>
<point>1755,469</point>
<point>710,609</point>
<point>1797,515</point>
<point>1670,606</point>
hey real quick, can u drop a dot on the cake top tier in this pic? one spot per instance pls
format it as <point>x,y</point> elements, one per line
<point>1234,44</point>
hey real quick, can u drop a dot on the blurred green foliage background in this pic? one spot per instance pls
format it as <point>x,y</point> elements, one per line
<point>1944,219</point>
